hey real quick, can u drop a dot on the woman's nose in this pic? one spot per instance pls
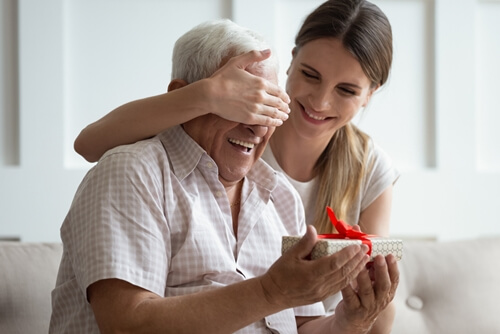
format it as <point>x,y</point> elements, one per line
<point>320,100</point>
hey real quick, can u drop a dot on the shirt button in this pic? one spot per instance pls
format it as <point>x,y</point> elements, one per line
<point>218,194</point>
<point>210,164</point>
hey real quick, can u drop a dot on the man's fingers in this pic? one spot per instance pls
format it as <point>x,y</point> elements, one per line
<point>350,297</point>
<point>351,259</point>
<point>341,268</point>
<point>392,265</point>
<point>382,283</point>
<point>365,289</point>
<point>306,244</point>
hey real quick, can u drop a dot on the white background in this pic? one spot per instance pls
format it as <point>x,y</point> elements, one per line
<point>64,64</point>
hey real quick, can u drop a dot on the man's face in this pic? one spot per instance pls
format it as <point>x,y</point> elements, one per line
<point>235,147</point>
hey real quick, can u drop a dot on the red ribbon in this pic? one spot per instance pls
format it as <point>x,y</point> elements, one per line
<point>346,231</point>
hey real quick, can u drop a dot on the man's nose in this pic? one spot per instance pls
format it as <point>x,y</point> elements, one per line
<point>258,130</point>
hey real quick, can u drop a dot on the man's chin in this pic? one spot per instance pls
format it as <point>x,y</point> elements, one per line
<point>230,179</point>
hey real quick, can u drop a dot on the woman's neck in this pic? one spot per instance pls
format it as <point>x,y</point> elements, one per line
<point>296,155</point>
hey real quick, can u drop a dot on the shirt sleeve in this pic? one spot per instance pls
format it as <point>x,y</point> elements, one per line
<point>313,310</point>
<point>115,224</point>
<point>382,174</point>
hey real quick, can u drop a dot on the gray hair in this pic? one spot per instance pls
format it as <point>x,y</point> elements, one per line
<point>201,51</point>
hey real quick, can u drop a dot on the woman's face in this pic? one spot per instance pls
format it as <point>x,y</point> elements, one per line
<point>327,88</point>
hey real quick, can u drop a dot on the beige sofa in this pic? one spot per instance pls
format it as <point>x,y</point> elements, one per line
<point>446,287</point>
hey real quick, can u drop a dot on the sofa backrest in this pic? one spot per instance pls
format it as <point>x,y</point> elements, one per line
<point>27,276</point>
<point>445,287</point>
<point>449,287</point>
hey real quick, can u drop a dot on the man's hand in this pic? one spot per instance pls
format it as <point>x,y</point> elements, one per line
<point>243,97</point>
<point>295,280</point>
<point>363,302</point>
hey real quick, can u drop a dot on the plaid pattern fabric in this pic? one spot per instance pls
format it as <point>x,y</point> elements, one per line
<point>155,214</point>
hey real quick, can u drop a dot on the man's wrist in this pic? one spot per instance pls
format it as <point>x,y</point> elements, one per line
<point>345,326</point>
<point>271,292</point>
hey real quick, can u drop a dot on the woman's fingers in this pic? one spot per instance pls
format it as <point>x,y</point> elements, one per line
<point>266,102</point>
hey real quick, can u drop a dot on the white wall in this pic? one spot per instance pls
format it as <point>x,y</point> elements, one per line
<point>66,63</point>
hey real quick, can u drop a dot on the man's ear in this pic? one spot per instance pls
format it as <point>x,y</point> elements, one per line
<point>176,84</point>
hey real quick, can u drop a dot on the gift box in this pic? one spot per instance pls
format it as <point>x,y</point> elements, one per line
<point>332,243</point>
<point>382,246</point>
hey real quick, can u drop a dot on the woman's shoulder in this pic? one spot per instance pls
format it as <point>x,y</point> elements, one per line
<point>377,154</point>
<point>380,164</point>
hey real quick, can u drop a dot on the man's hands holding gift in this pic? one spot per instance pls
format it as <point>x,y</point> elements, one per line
<point>367,287</point>
<point>294,280</point>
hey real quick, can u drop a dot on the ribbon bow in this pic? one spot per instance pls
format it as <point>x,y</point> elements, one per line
<point>346,231</point>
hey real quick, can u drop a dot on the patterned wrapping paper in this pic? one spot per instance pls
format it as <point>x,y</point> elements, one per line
<point>382,246</point>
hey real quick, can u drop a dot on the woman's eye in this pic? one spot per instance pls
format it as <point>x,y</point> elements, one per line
<point>347,91</point>
<point>309,75</point>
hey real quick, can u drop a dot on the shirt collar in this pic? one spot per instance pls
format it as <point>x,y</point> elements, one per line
<point>185,154</point>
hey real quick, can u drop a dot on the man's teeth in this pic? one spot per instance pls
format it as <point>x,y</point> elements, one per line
<point>314,117</point>
<point>242,143</point>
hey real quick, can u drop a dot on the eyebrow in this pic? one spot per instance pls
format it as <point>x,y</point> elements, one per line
<point>319,74</point>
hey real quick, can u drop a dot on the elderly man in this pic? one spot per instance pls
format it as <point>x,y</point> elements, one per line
<point>181,233</point>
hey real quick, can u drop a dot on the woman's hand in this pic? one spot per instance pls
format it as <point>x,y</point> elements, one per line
<point>240,96</point>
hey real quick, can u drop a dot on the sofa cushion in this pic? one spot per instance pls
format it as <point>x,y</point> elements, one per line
<point>449,287</point>
<point>27,276</point>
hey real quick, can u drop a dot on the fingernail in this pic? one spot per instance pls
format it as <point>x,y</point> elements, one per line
<point>364,248</point>
<point>266,51</point>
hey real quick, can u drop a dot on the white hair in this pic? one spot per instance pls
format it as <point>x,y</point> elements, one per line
<point>201,51</point>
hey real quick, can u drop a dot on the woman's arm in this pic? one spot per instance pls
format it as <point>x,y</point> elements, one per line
<point>231,93</point>
<point>375,219</point>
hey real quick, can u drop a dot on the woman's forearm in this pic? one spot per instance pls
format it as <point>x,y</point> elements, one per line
<point>232,92</point>
<point>141,119</point>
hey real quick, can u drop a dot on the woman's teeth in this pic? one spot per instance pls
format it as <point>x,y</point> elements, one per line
<point>317,118</point>
<point>249,146</point>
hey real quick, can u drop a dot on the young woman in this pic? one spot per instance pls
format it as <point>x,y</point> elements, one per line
<point>342,55</point>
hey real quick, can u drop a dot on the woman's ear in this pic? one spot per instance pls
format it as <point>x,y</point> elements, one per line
<point>369,95</point>
<point>176,84</point>
<point>294,51</point>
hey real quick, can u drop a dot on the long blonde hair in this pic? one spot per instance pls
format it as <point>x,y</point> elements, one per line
<point>340,168</point>
<point>366,33</point>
